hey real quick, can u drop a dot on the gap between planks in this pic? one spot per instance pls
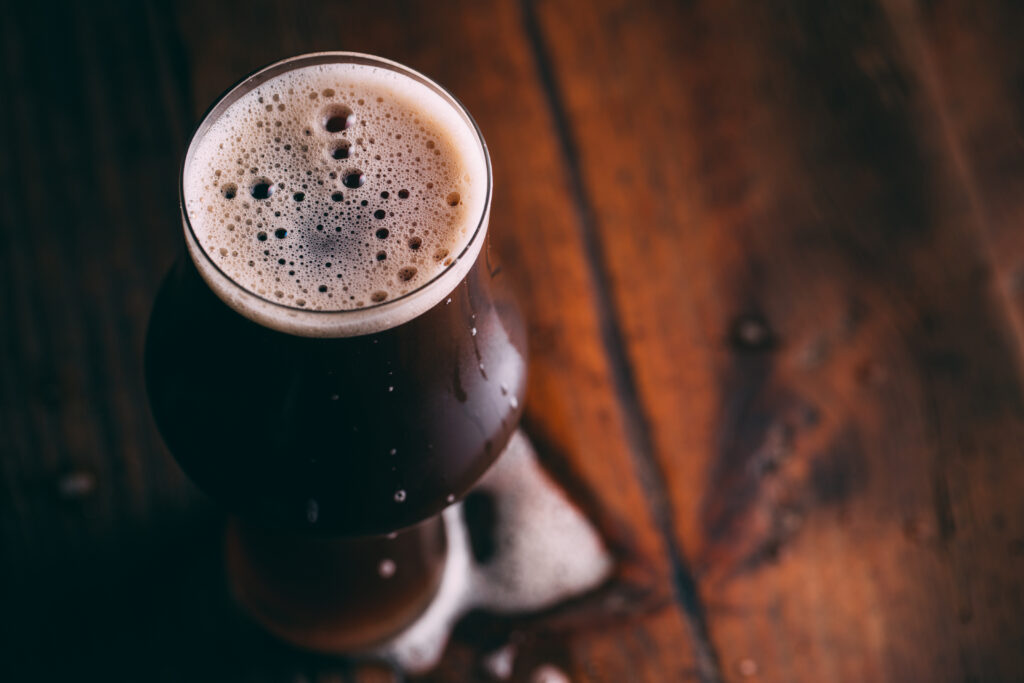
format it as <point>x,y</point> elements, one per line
<point>637,427</point>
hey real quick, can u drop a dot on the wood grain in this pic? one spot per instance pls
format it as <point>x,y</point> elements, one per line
<point>978,121</point>
<point>825,366</point>
<point>139,79</point>
<point>771,261</point>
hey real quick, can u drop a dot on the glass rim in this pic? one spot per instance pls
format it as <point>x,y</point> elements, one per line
<point>261,75</point>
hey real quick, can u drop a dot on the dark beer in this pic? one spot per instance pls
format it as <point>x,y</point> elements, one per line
<point>353,436</point>
<point>331,362</point>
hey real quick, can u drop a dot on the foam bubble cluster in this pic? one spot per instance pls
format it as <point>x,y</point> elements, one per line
<point>335,187</point>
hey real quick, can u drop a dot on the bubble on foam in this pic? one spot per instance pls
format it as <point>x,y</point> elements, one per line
<point>547,552</point>
<point>334,187</point>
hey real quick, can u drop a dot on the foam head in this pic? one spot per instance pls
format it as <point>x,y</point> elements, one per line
<point>335,194</point>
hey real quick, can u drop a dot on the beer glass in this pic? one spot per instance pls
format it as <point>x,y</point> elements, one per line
<point>334,438</point>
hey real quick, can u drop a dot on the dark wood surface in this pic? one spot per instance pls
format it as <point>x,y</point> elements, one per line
<point>772,260</point>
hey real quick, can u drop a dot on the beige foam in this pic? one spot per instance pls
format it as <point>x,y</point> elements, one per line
<point>315,246</point>
<point>548,552</point>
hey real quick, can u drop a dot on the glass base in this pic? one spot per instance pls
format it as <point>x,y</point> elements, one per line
<point>335,595</point>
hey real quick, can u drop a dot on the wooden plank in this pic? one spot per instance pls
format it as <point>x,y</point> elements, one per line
<point>80,263</point>
<point>968,61</point>
<point>88,501</point>
<point>826,372</point>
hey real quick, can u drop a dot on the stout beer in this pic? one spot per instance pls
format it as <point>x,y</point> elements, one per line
<point>332,361</point>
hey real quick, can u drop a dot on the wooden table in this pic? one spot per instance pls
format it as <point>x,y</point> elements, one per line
<point>772,257</point>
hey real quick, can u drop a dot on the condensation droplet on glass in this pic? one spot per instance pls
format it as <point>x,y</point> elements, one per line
<point>501,662</point>
<point>448,301</point>
<point>399,496</point>
<point>386,568</point>
<point>450,498</point>
<point>473,331</point>
<point>390,389</point>
<point>392,451</point>
<point>312,511</point>
<point>392,536</point>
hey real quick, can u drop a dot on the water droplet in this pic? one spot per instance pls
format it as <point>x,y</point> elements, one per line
<point>500,663</point>
<point>513,401</point>
<point>450,498</point>
<point>752,333</point>
<point>390,389</point>
<point>386,568</point>
<point>312,511</point>
<point>393,451</point>
<point>746,667</point>
<point>399,496</point>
